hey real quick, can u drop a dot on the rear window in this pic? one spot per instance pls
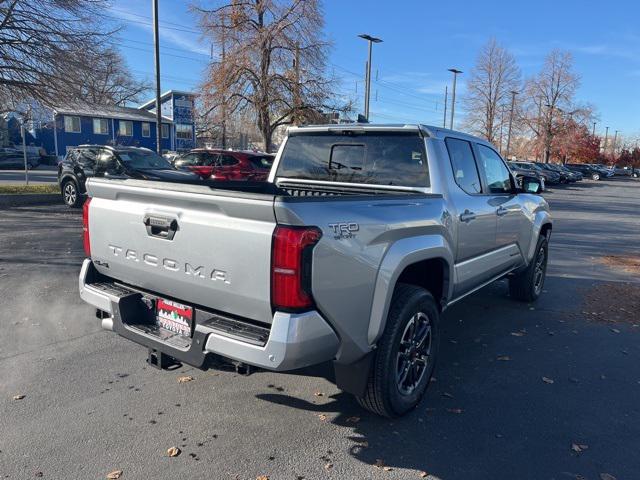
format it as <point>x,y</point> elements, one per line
<point>382,158</point>
<point>261,161</point>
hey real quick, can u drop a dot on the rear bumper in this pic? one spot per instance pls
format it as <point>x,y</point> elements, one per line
<point>294,340</point>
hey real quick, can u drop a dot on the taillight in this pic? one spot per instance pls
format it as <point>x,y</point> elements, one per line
<point>85,227</point>
<point>291,267</point>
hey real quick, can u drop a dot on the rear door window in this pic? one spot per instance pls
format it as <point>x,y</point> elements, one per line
<point>382,158</point>
<point>463,163</point>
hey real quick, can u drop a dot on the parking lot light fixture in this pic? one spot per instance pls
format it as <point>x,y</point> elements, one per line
<point>455,72</point>
<point>367,90</point>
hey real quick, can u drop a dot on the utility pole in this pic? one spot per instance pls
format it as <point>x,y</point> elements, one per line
<point>606,138</point>
<point>296,86</point>
<point>156,45</point>
<point>367,91</point>
<point>224,101</point>
<point>613,148</point>
<point>501,126</point>
<point>24,150</point>
<point>453,95</point>
<point>444,120</point>
<point>513,104</point>
<point>593,132</point>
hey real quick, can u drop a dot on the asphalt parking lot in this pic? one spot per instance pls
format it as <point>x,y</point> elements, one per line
<point>544,391</point>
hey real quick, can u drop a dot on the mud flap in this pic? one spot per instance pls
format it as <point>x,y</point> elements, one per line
<point>353,377</point>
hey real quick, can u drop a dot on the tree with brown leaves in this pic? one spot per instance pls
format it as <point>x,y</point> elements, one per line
<point>271,64</point>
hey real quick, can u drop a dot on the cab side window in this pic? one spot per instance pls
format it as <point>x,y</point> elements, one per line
<point>227,160</point>
<point>464,166</point>
<point>86,158</point>
<point>495,172</point>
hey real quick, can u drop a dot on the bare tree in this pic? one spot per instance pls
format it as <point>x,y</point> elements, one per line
<point>41,41</point>
<point>550,93</point>
<point>108,81</point>
<point>273,65</point>
<point>489,88</point>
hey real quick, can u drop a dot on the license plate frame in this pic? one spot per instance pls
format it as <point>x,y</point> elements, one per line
<point>174,317</point>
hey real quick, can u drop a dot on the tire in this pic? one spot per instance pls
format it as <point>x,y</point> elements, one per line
<point>403,364</point>
<point>71,194</point>
<point>595,176</point>
<point>527,285</point>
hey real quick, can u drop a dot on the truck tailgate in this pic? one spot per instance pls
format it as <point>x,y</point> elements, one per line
<point>198,246</point>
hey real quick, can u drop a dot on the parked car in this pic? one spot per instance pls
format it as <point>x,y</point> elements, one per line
<point>552,167</point>
<point>586,170</point>
<point>171,156</point>
<point>348,253</point>
<point>226,164</point>
<point>622,171</point>
<point>86,161</point>
<point>522,173</point>
<point>550,177</point>
<point>11,158</point>
<point>576,176</point>
<point>605,172</point>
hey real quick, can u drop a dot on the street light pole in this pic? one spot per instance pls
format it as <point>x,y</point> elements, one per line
<point>367,91</point>
<point>513,104</point>
<point>606,138</point>
<point>444,119</point>
<point>593,132</point>
<point>615,140</point>
<point>453,95</point>
<point>156,44</point>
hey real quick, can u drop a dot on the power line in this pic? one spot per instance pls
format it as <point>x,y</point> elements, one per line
<point>141,42</point>
<point>163,54</point>
<point>130,20</point>
<point>181,25</point>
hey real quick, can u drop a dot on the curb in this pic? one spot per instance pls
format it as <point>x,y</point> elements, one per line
<point>20,200</point>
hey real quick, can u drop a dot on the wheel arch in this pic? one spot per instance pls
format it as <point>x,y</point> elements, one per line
<point>411,260</point>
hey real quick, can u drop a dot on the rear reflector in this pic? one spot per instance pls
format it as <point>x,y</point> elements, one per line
<point>85,228</point>
<point>291,267</point>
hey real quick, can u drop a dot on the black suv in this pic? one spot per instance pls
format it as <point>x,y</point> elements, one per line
<point>87,161</point>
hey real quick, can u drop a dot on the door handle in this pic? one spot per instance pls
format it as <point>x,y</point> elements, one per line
<point>501,211</point>
<point>467,216</point>
<point>160,227</point>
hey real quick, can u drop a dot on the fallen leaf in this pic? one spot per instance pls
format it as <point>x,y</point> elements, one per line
<point>322,416</point>
<point>423,474</point>
<point>18,397</point>
<point>173,452</point>
<point>262,477</point>
<point>607,476</point>
<point>353,419</point>
<point>547,380</point>
<point>185,379</point>
<point>455,410</point>
<point>579,447</point>
<point>387,469</point>
<point>319,394</point>
<point>504,358</point>
<point>114,475</point>
<point>328,466</point>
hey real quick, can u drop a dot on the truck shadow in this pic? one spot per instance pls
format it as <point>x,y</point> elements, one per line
<point>489,413</point>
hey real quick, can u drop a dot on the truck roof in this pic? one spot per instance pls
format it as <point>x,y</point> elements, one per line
<point>429,130</point>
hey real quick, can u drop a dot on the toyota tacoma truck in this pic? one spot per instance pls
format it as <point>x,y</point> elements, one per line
<point>350,252</point>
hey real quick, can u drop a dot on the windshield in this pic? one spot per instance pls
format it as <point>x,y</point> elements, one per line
<point>143,160</point>
<point>383,158</point>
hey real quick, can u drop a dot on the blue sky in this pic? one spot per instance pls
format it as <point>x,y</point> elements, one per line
<point>421,41</point>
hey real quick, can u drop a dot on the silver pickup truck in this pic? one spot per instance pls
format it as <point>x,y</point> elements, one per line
<point>350,252</point>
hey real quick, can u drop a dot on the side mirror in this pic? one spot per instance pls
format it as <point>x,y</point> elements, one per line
<point>531,185</point>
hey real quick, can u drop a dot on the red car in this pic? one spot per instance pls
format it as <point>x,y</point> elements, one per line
<point>226,164</point>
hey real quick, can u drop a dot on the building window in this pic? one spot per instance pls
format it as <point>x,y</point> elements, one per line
<point>125,128</point>
<point>146,129</point>
<point>165,130</point>
<point>184,131</point>
<point>100,126</point>
<point>71,124</point>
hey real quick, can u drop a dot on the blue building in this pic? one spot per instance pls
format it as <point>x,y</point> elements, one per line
<point>114,125</point>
